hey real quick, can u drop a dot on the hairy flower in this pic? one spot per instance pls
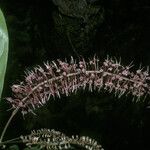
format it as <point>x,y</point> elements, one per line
<point>51,139</point>
<point>60,77</point>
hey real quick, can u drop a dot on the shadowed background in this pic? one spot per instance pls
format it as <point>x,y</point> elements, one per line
<point>43,30</point>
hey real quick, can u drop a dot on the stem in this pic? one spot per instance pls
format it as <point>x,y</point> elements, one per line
<point>8,122</point>
<point>15,140</point>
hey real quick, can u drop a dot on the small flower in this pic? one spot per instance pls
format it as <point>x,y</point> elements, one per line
<point>51,139</point>
<point>60,77</point>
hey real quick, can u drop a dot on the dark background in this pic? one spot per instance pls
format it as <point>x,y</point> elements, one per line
<point>123,31</point>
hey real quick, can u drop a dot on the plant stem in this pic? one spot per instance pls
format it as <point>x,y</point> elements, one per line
<point>15,140</point>
<point>8,122</point>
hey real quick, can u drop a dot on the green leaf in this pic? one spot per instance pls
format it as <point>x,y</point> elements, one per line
<point>3,50</point>
<point>32,148</point>
<point>13,147</point>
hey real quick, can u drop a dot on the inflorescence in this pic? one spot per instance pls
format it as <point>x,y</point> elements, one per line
<point>51,139</point>
<point>60,77</point>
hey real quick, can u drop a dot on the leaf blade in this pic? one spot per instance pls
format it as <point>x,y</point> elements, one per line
<point>3,50</point>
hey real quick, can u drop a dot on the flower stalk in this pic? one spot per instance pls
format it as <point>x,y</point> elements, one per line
<point>60,77</point>
<point>8,122</point>
<point>51,139</point>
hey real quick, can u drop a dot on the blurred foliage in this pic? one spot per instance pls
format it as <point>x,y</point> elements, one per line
<point>3,50</point>
<point>41,31</point>
<point>33,148</point>
<point>16,147</point>
<point>13,147</point>
<point>77,21</point>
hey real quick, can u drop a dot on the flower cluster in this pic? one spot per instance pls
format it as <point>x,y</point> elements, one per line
<point>51,139</point>
<point>60,77</point>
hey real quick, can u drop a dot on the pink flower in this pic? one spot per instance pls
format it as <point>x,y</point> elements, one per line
<point>61,77</point>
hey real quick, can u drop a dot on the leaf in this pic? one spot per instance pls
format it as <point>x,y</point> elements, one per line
<point>3,50</point>
<point>13,147</point>
<point>32,148</point>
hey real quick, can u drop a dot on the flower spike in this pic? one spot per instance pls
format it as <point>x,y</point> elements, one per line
<point>61,77</point>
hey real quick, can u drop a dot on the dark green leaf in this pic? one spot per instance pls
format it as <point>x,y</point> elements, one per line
<point>32,148</point>
<point>13,147</point>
